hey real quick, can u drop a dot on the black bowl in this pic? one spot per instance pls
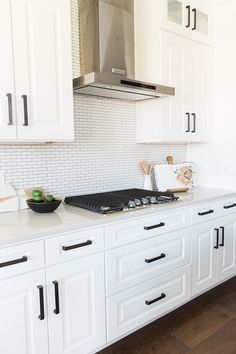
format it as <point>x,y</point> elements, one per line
<point>43,207</point>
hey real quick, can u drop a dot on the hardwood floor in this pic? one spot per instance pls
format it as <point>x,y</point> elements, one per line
<point>206,325</point>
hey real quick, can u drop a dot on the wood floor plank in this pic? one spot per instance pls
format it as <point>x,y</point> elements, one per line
<point>203,325</point>
<point>221,342</point>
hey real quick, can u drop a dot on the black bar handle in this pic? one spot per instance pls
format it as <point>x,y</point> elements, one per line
<point>188,120</point>
<point>83,244</point>
<point>57,304</point>
<point>155,300</point>
<point>162,255</point>
<point>25,103</point>
<point>188,8</point>
<point>15,261</point>
<point>206,212</point>
<point>223,236</point>
<point>195,19</point>
<point>217,239</point>
<point>41,303</point>
<point>154,226</point>
<point>10,111</point>
<point>194,123</point>
<point>230,206</point>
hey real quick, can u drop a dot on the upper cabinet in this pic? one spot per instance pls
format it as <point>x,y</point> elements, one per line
<point>36,98</point>
<point>191,19</point>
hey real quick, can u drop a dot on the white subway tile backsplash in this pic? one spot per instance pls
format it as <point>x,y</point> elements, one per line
<point>104,155</point>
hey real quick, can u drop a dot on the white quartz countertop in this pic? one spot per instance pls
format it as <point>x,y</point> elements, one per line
<point>26,225</point>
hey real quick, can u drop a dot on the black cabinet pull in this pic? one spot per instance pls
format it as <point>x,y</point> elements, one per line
<point>194,123</point>
<point>217,239</point>
<point>83,244</point>
<point>9,97</point>
<point>25,104</point>
<point>188,120</point>
<point>223,236</point>
<point>230,206</point>
<point>206,212</point>
<point>56,290</point>
<point>41,303</point>
<point>154,226</point>
<point>15,261</point>
<point>195,19</point>
<point>155,300</point>
<point>162,255</point>
<point>188,8</point>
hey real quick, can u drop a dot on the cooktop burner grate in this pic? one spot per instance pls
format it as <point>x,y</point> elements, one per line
<point>115,201</point>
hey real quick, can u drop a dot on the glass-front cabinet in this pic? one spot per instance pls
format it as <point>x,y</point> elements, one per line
<point>188,18</point>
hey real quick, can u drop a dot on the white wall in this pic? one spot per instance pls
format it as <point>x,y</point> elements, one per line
<point>217,161</point>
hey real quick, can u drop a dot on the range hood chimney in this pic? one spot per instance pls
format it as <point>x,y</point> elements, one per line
<point>107,60</point>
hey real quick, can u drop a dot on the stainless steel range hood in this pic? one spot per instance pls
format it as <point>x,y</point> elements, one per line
<point>107,61</point>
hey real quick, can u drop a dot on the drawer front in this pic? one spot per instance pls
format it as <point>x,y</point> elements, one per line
<point>19,259</point>
<point>228,206</point>
<point>132,308</point>
<point>144,227</point>
<point>133,264</point>
<point>205,212</point>
<point>74,245</point>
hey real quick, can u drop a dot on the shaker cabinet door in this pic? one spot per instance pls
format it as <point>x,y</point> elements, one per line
<point>23,319</point>
<point>7,88</point>
<point>76,305</point>
<point>43,75</point>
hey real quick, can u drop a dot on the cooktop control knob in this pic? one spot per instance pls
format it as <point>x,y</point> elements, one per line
<point>131,204</point>
<point>153,200</point>
<point>137,202</point>
<point>145,201</point>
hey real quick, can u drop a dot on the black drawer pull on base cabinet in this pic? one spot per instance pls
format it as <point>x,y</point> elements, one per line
<point>154,226</point>
<point>162,255</point>
<point>15,261</point>
<point>83,244</point>
<point>206,212</point>
<point>155,300</point>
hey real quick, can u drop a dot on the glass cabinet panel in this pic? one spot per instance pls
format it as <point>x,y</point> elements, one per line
<point>175,12</point>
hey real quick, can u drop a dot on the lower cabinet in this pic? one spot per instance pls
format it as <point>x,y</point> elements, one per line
<point>76,305</point>
<point>23,320</point>
<point>213,253</point>
<point>128,310</point>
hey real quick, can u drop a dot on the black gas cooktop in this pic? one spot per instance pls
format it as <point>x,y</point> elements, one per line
<point>128,199</point>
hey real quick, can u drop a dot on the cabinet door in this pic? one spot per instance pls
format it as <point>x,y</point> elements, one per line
<point>227,251</point>
<point>174,59</point>
<point>173,15</point>
<point>197,83</point>
<point>21,329</point>
<point>201,21</point>
<point>204,257</point>
<point>7,89</point>
<point>43,76</point>
<point>77,324</point>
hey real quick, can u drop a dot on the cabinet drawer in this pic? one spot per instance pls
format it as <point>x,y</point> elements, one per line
<point>134,307</point>
<point>144,227</point>
<point>133,264</point>
<point>19,259</point>
<point>228,206</point>
<point>74,245</point>
<point>205,212</point>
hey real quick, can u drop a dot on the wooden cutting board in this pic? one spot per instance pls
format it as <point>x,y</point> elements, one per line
<point>8,198</point>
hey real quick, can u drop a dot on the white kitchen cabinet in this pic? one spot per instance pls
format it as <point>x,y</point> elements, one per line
<point>213,252</point>
<point>182,118</point>
<point>204,257</point>
<point>188,18</point>
<point>227,251</point>
<point>7,87</point>
<point>22,331</point>
<point>77,323</point>
<point>39,54</point>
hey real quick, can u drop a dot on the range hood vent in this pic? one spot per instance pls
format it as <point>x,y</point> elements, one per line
<point>107,60</point>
